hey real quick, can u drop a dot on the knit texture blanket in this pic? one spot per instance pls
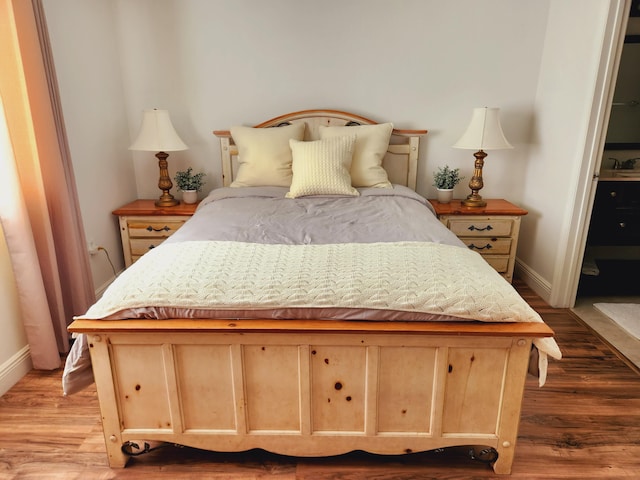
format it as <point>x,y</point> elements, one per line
<point>404,276</point>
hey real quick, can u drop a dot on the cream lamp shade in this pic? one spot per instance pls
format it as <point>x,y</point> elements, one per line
<point>158,135</point>
<point>483,133</point>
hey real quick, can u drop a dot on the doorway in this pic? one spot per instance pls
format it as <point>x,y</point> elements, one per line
<point>612,252</point>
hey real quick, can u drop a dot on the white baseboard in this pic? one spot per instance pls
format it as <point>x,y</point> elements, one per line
<point>14,369</point>
<point>533,280</point>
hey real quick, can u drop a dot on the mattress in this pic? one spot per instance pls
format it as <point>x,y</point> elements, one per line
<point>252,253</point>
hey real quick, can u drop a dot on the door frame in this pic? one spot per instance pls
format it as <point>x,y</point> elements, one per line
<point>564,286</point>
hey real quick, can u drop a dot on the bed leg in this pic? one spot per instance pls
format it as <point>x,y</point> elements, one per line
<point>503,463</point>
<point>105,386</point>
<point>502,467</point>
<point>500,461</point>
<point>117,457</point>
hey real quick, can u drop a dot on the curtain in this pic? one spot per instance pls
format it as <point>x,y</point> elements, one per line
<point>38,199</point>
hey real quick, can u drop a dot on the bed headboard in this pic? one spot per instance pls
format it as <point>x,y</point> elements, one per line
<point>400,162</point>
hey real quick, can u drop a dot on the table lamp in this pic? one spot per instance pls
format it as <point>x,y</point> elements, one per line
<point>483,133</point>
<point>158,135</point>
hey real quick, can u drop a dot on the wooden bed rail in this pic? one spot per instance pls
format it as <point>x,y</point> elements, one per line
<point>530,330</point>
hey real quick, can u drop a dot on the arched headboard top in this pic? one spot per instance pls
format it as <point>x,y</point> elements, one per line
<point>400,162</point>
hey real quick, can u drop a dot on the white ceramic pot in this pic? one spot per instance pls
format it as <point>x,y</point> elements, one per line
<point>189,196</point>
<point>445,195</point>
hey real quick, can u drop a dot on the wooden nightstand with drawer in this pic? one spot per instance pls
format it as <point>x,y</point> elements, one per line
<point>492,230</point>
<point>144,226</point>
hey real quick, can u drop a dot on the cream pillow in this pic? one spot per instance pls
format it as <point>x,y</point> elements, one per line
<point>372,143</point>
<point>264,155</point>
<point>321,167</point>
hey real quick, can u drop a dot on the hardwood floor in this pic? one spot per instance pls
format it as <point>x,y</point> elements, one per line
<point>583,424</point>
<point>612,333</point>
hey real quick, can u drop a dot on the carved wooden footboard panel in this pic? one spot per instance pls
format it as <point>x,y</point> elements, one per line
<point>311,388</point>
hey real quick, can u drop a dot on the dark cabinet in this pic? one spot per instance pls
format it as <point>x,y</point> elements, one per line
<point>616,214</point>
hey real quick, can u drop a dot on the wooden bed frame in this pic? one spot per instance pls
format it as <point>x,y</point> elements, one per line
<point>312,388</point>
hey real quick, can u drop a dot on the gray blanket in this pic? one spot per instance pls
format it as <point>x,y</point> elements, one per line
<point>264,215</point>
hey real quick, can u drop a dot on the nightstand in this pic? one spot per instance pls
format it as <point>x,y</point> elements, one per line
<point>492,230</point>
<point>144,226</point>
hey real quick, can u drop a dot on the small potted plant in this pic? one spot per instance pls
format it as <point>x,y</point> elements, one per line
<point>445,179</point>
<point>190,184</point>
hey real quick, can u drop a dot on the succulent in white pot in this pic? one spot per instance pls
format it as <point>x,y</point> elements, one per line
<point>445,179</point>
<point>190,184</point>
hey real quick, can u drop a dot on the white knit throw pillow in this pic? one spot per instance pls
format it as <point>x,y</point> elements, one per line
<point>321,167</point>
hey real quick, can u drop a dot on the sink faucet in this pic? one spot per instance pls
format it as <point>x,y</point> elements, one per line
<point>616,163</point>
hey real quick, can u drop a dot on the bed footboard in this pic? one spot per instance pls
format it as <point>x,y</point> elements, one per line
<point>311,388</point>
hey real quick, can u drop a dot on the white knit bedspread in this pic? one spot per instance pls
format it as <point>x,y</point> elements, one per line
<point>405,276</point>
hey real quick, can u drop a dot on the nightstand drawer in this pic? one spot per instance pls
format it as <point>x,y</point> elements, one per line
<point>481,227</point>
<point>500,263</point>
<point>492,230</point>
<point>488,245</point>
<point>144,226</point>
<point>150,229</point>
<point>140,246</point>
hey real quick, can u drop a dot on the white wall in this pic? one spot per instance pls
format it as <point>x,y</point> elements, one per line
<point>85,50</point>
<point>418,63</point>
<point>563,105</point>
<point>421,64</point>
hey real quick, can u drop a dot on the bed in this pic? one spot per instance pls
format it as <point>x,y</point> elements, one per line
<point>312,306</point>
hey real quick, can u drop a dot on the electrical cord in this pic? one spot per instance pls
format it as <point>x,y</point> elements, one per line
<point>108,259</point>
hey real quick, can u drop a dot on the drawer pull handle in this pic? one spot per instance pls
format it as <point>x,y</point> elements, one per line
<point>613,194</point>
<point>487,228</point>
<point>488,246</point>
<point>151,229</point>
<point>622,225</point>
